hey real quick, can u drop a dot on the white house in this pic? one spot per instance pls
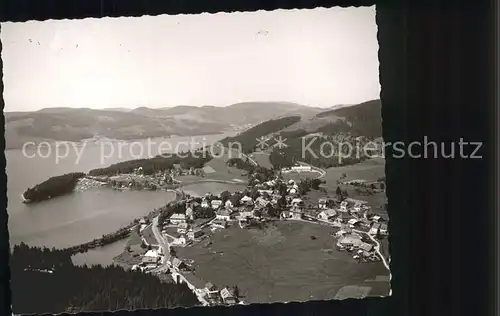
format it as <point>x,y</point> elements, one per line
<point>216,204</point>
<point>351,240</point>
<point>227,296</point>
<point>343,206</point>
<point>295,214</point>
<point>352,222</point>
<point>205,204</point>
<point>327,214</point>
<point>296,201</point>
<point>178,265</point>
<point>340,233</point>
<point>228,204</point>
<point>322,204</point>
<point>245,199</point>
<point>189,213</point>
<point>182,228</point>
<point>245,214</point>
<point>383,229</point>
<point>269,192</point>
<point>177,218</point>
<point>376,218</point>
<point>356,201</point>
<point>210,288</point>
<point>223,214</point>
<point>301,168</point>
<point>375,229</point>
<point>151,257</point>
<point>180,241</point>
<point>193,234</point>
<point>270,183</point>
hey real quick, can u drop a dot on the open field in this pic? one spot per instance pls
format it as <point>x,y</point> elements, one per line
<point>222,170</point>
<point>262,158</point>
<point>370,170</point>
<point>148,235</point>
<point>129,258</point>
<point>200,189</point>
<point>281,263</point>
<point>297,176</point>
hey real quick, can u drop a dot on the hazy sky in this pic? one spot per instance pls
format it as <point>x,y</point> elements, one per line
<point>319,57</point>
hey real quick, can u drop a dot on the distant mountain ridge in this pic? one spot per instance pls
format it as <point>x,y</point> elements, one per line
<point>283,138</point>
<point>76,124</point>
<point>362,119</point>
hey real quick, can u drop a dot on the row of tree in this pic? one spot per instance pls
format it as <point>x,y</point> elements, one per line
<point>46,281</point>
<point>54,186</point>
<point>241,164</point>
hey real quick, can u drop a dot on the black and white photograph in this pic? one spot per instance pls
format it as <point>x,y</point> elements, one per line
<point>195,160</point>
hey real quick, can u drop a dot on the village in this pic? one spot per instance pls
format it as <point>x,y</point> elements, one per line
<point>355,228</point>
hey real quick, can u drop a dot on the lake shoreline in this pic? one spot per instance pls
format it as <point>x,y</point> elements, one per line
<point>118,259</point>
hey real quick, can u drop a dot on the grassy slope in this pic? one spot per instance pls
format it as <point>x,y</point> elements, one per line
<point>276,266</point>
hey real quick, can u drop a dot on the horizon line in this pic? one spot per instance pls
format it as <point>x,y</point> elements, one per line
<point>193,106</point>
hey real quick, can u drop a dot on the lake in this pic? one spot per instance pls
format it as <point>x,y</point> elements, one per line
<point>83,216</point>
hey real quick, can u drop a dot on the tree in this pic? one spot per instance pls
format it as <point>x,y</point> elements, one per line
<point>254,194</point>
<point>282,189</point>
<point>274,212</point>
<point>225,196</point>
<point>282,201</point>
<point>236,291</point>
<point>173,252</point>
<point>315,183</point>
<point>235,199</point>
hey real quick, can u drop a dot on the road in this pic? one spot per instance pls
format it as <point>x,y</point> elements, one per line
<point>163,243</point>
<point>250,159</point>
<point>322,172</point>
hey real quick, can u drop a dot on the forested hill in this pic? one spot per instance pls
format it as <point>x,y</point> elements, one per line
<point>248,139</point>
<point>46,281</point>
<point>194,159</point>
<point>364,119</point>
<point>55,186</point>
<point>71,124</point>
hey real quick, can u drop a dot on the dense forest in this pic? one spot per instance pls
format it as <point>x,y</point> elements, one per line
<point>46,281</point>
<point>333,128</point>
<point>248,139</point>
<point>365,118</point>
<point>159,163</point>
<point>53,187</point>
<point>317,152</point>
